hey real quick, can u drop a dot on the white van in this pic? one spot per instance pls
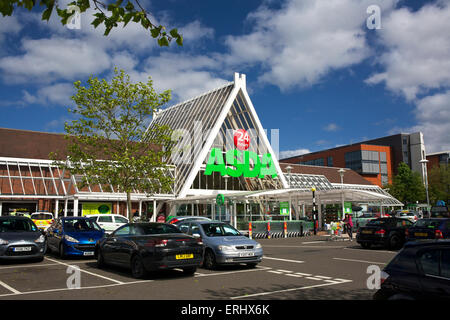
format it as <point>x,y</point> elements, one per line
<point>109,222</point>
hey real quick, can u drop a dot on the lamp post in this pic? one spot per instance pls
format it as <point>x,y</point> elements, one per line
<point>313,189</point>
<point>289,169</point>
<point>341,173</point>
<point>425,181</point>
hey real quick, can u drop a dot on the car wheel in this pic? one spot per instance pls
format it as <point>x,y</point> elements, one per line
<point>209,260</point>
<point>138,270</point>
<point>100,259</point>
<point>189,271</point>
<point>365,245</point>
<point>394,242</point>
<point>62,251</point>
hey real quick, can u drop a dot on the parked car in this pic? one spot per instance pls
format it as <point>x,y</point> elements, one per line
<point>360,219</point>
<point>412,216</point>
<point>440,212</point>
<point>223,243</point>
<point>109,222</point>
<point>144,247</point>
<point>435,228</point>
<point>421,270</point>
<point>20,238</point>
<point>177,220</point>
<point>42,220</point>
<point>75,236</point>
<point>389,232</point>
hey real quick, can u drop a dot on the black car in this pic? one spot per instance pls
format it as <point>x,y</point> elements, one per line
<point>388,232</point>
<point>434,228</point>
<point>421,270</point>
<point>144,247</point>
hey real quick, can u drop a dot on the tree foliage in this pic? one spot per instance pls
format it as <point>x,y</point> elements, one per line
<point>110,15</point>
<point>439,184</point>
<point>407,185</point>
<point>109,144</point>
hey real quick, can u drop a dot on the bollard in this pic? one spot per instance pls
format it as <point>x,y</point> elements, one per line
<point>285,229</point>
<point>268,229</point>
<point>250,230</point>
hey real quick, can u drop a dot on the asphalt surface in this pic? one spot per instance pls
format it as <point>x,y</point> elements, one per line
<point>307,268</point>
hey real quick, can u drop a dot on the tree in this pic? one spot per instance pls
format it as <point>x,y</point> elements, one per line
<point>108,14</point>
<point>109,143</point>
<point>439,184</point>
<point>407,186</point>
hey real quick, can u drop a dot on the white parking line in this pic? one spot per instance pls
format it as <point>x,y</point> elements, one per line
<point>91,273</point>
<point>30,266</point>
<point>9,288</point>
<point>285,260</point>
<point>258,268</point>
<point>286,290</point>
<point>362,261</point>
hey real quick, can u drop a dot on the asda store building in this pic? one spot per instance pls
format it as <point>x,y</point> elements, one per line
<point>223,166</point>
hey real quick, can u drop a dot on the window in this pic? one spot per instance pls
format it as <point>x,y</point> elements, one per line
<point>120,220</point>
<point>404,223</point>
<point>184,228</point>
<point>105,219</point>
<point>195,229</point>
<point>430,262</point>
<point>122,232</point>
<point>445,263</point>
<point>330,161</point>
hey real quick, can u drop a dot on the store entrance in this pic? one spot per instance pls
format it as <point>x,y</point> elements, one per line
<point>18,208</point>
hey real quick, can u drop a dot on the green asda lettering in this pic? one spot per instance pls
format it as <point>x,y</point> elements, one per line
<point>234,167</point>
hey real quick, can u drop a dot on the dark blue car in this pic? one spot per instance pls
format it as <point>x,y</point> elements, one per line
<point>433,228</point>
<point>75,236</point>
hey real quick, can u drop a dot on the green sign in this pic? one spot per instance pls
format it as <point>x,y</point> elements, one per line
<point>220,199</point>
<point>284,208</point>
<point>96,208</point>
<point>347,207</point>
<point>237,163</point>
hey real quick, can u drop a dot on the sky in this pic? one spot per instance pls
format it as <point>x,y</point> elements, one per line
<point>317,70</point>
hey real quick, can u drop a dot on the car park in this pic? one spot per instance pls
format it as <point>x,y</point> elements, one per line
<point>76,236</point>
<point>109,222</point>
<point>421,270</point>
<point>223,244</point>
<point>388,232</point>
<point>20,238</point>
<point>42,220</point>
<point>179,219</point>
<point>145,247</point>
<point>434,228</point>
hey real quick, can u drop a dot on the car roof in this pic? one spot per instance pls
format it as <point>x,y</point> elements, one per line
<point>13,217</point>
<point>73,218</point>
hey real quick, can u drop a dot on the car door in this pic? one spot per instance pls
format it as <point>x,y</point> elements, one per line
<point>111,246</point>
<point>435,273</point>
<point>119,221</point>
<point>106,222</point>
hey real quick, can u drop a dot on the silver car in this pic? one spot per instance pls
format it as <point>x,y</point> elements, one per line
<point>223,243</point>
<point>20,238</point>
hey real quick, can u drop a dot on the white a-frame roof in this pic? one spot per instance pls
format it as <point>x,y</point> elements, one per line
<point>204,121</point>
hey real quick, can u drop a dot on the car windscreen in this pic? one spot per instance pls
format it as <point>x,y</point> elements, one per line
<point>41,216</point>
<point>219,230</point>
<point>158,228</point>
<point>425,223</point>
<point>17,225</point>
<point>76,225</point>
<point>121,220</point>
<point>377,222</point>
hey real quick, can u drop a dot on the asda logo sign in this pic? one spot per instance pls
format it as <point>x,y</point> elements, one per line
<point>238,163</point>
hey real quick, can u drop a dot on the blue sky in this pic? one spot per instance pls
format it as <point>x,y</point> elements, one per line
<point>315,71</point>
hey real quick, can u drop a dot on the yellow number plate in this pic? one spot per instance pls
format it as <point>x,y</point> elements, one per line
<point>185,256</point>
<point>367,231</point>
<point>420,234</point>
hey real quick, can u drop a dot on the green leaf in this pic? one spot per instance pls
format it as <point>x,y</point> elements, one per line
<point>155,32</point>
<point>163,42</point>
<point>180,40</point>
<point>47,13</point>
<point>174,33</point>
<point>129,6</point>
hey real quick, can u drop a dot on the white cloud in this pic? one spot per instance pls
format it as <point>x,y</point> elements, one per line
<point>417,50</point>
<point>300,43</point>
<point>331,127</point>
<point>59,93</point>
<point>292,153</point>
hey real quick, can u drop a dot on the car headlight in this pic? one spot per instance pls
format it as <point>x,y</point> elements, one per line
<point>258,246</point>
<point>3,241</point>
<point>70,239</point>
<point>41,239</point>
<point>226,248</point>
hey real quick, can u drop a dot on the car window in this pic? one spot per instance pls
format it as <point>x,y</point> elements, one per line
<point>122,232</point>
<point>158,228</point>
<point>445,263</point>
<point>195,229</point>
<point>426,223</point>
<point>404,223</point>
<point>120,220</point>
<point>42,216</point>
<point>105,219</point>
<point>219,229</point>
<point>75,225</point>
<point>184,227</point>
<point>429,261</point>
<point>17,225</point>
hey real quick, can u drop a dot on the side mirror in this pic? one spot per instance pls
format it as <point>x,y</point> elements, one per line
<point>196,235</point>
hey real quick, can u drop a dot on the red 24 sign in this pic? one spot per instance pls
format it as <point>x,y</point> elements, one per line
<point>241,139</point>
